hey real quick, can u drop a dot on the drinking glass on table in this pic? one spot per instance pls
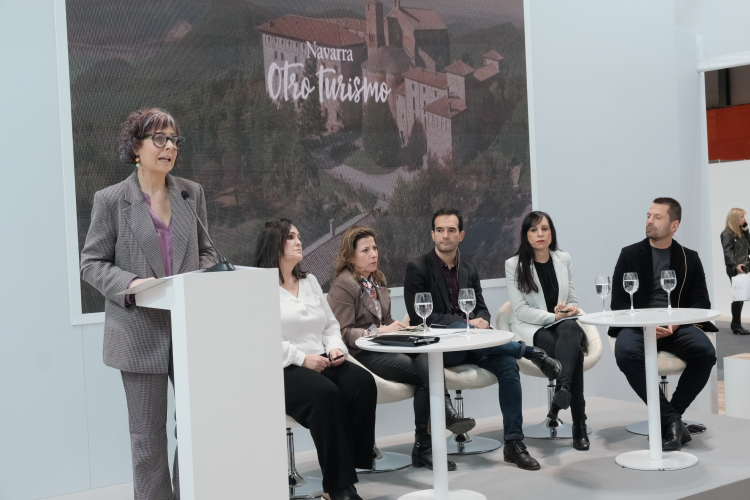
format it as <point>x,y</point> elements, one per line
<point>603,287</point>
<point>423,306</point>
<point>467,300</point>
<point>668,283</point>
<point>630,284</point>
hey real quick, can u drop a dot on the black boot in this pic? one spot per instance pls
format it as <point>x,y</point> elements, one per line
<point>580,436</point>
<point>562,397</point>
<point>421,454</point>
<point>515,452</point>
<point>675,435</point>
<point>345,493</point>
<point>453,421</point>
<point>550,367</point>
<point>736,324</point>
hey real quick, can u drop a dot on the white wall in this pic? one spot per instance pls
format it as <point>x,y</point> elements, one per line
<point>721,23</point>
<point>729,183</point>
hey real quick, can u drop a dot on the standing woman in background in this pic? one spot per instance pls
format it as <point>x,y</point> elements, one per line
<point>140,230</point>
<point>735,239</point>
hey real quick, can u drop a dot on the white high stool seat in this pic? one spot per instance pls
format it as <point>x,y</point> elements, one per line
<point>388,392</point>
<point>460,378</point>
<point>668,364</point>
<point>543,430</point>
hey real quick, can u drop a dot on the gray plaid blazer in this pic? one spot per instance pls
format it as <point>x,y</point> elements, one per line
<point>122,245</point>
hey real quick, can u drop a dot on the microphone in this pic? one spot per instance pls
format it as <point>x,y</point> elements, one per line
<point>223,265</point>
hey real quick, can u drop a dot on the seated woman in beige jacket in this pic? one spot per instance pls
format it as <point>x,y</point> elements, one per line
<point>361,303</point>
<point>540,284</point>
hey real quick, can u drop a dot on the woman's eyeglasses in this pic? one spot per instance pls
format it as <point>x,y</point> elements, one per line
<point>160,140</point>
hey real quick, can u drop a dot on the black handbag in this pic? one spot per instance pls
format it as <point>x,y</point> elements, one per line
<point>404,340</point>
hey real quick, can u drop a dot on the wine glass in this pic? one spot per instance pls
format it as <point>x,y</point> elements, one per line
<point>603,287</point>
<point>423,306</point>
<point>467,300</point>
<point>668,283</point>
<point>630,284</point>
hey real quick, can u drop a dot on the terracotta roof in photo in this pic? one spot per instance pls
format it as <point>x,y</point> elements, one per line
<point>431,78</point>
<point>312,30</point>
<point>401,89</point>
<point>419,19</point>
<point>493,55</point>
<point>459,68</point>
<point>348,23</point>
<point>447,107</point>
<point>486,72</point>
<point>388,59</point>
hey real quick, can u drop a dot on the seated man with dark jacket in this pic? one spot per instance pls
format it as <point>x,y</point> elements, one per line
<point>442,273</point>
<point>660,252</point>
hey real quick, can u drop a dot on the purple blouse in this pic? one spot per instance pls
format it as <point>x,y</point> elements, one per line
<point>166,241</point>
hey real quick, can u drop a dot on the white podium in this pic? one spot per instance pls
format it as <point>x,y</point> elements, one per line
<point>229,387</point>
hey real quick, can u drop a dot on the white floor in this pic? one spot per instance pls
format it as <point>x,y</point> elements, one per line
<point>570,474</point>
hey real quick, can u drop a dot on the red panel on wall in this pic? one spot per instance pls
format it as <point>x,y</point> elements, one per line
<point>729,133</point>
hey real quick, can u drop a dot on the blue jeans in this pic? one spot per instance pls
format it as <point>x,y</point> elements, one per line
<point>501,362</point>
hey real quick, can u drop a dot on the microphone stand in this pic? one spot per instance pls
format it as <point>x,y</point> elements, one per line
<point>223,264</point>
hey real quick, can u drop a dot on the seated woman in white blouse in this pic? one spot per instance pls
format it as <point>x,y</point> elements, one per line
<point>332,397</point>
<point>540,285</point>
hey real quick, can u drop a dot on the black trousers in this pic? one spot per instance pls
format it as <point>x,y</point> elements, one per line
<point>338,406</point>
<point>563,342</point>
<point>687,343</point>
<point>406,369</point>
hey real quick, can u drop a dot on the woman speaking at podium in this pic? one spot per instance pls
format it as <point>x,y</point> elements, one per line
<point>332,397</point>
<point>141,229</point>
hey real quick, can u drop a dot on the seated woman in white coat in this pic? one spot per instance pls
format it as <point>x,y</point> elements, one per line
<point>324,392</point>
<point>540,284</point>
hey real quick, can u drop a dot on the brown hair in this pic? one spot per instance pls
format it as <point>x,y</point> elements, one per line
<point>674,210</point>
<point>138,124</point>
<point>270,247</point>
<point>346,252</point>
<point>733,221</point>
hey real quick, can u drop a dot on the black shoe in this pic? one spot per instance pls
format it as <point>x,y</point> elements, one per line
<point>738,329</point>
<point>562,398</point>
<point>696,429</point>
<point>515,452</point>
<point>552,416</point>
<point>454,422</point>
<point>421,454</point>
<point>345,493</point>
<point>580,436</point>
<point>551,368</point>
<point>675,435</point>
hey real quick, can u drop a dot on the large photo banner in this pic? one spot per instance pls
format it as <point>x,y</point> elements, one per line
<point>331,113</point>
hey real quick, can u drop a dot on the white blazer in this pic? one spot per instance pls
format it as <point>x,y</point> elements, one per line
<point>529,309</point>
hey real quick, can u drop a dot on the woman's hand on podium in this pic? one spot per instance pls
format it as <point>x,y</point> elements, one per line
<point>316,362</point>
<point>139,281</point>
<point>335,353</point>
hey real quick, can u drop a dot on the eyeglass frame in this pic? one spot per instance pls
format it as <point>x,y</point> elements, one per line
<point>174,139</point>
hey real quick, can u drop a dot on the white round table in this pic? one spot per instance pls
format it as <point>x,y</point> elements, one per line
<point>649,319</point>
<point>450,340</point>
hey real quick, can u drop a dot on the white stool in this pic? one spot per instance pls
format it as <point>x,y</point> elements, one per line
<point>543,430</point>
<point>299,487</point>
<point>388,392</point>
<point>459,378</point>
<point>668,364</point>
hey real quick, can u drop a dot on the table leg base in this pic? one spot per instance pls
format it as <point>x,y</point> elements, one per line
<point>452,495</point>
<point>541,431</point>
<point>671,460</point>
<point>311,487</point>
<point>472,446</point>
<point>641,428</point>
<point>387,463</point>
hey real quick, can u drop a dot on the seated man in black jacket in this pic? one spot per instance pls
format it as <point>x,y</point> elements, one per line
<point>442,273</point>
<point>657,253</point>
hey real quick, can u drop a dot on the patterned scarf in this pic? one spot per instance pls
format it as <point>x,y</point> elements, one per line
<point>372,288</point>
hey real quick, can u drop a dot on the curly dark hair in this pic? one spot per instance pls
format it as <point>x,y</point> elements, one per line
<point>140,123</point>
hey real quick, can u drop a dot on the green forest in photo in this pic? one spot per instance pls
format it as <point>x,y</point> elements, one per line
<point>203,62</point>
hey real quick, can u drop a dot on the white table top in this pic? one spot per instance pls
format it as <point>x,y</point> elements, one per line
<point>650,317</point>
<point>458,342</point>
